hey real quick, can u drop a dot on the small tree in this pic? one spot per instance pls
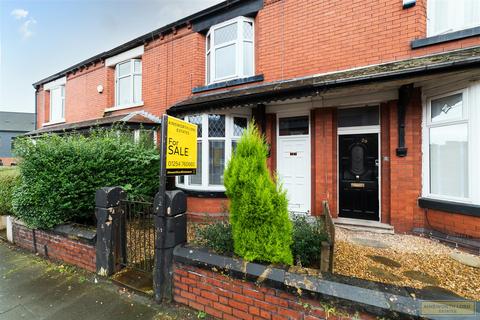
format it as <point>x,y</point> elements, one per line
<point>261,228</point>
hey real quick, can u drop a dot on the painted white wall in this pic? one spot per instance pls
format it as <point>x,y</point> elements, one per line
<point>10,229</point>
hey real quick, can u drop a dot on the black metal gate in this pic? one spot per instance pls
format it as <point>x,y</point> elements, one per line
<point>139,232</point>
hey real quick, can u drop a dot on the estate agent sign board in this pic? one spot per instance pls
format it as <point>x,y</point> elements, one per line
<point>181,149</point>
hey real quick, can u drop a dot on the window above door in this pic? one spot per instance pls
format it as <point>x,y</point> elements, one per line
<point>230,50</point>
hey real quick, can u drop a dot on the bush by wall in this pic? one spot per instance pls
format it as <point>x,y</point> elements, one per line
<point>9,179</point>
<point>308,234</point>
<point>307,240</point>
<point>216,236</point>
<point>60,174</point>
<point>261,227</point>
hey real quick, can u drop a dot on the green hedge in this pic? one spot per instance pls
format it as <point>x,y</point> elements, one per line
<point>9,179</point>
<point>261,227</point>
<point>60,174</point>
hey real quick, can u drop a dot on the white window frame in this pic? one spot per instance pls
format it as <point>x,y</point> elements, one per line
<point>239,43</point>
<point>137,133</point>
<point>229,137</point>
<point>471,117</point>
<point>454,7</point>
<point>132,75</point>
<point>62,98</point>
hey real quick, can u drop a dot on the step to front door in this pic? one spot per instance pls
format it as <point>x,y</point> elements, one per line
<point>363,225</point>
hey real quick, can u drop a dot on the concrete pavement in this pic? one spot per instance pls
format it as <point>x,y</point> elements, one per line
<point>32,288</point>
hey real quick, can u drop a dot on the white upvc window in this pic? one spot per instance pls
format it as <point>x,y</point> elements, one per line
<point>444,16</point>
<point>128,83</point>
<point>57,104</point>
<point>451,146</point>
<point>217,138</point>
<point>230,50</point>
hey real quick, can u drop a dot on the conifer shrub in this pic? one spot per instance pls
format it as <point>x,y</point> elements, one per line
<point>261,228</point>
<point>59,175</point>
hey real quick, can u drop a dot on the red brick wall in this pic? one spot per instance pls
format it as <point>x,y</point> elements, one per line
<point>56,247</point>
<point>293,38</point>
<point>301,37</point>
<point>325,164</point>
<point>406,172</point>
<point>385,160</point>
<point>206,209</point>
<point>227,298</point>
<point>82,100</point>
<point>450,223</point>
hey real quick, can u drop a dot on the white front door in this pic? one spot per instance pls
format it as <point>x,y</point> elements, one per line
<point>293,162</point>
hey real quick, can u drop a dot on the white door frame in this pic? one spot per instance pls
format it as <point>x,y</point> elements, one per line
<point>362,130</point>
<point>288,114</point>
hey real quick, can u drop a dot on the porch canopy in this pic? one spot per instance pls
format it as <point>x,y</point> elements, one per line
<point>133,120</point>
<point>365,79</point>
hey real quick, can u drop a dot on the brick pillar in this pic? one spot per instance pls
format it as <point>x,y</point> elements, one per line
<point>406,172</point>
<point>325,164</point>
<point>110,245</point>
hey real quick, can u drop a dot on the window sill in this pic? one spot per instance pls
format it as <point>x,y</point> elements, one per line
<point>51,123</point>
<point>450,206</point>
<point>134,105</point>
<point>456,35</point>
<point>229,83</point>
<point>203,193</point>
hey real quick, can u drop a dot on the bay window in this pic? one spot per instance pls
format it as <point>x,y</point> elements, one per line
<point>217,138</point>
<point>128,83</point>
<point>444,16</point>
<point>57,104</point>
<point>230,50</point>
<point>451,135</point>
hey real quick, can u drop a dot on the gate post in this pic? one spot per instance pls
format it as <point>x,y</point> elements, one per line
<point>170,231</point>
<point>110,239</point>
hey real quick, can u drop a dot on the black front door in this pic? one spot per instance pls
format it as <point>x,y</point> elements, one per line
<point>358,176</point>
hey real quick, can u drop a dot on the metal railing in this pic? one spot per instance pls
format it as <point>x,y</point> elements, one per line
<point>139,232</point>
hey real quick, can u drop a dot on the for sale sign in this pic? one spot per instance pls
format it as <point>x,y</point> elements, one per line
<point>181,148</point>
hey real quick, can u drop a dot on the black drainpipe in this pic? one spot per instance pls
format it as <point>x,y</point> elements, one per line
<point>36,105</point>
<point>404,97</point>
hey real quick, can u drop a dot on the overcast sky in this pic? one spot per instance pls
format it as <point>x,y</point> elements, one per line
<point>41,37</point>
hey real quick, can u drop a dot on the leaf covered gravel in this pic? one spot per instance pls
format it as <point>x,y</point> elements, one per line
<point>422,255</point>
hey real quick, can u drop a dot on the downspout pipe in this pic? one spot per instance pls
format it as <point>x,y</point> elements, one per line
<point>404,97</point>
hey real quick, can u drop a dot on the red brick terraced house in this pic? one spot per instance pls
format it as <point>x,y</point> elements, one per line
<point>373,106</point>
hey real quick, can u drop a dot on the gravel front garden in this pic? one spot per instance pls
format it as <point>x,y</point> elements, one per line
<point>406,260</point>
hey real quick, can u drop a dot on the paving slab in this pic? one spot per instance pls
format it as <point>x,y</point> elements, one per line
<point>32,288</point>
<point>370,243</point>
<point>466,259</point>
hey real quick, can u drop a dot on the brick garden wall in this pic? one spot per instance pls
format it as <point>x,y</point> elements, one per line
<point>227,298</point>
<point>55,246</point>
